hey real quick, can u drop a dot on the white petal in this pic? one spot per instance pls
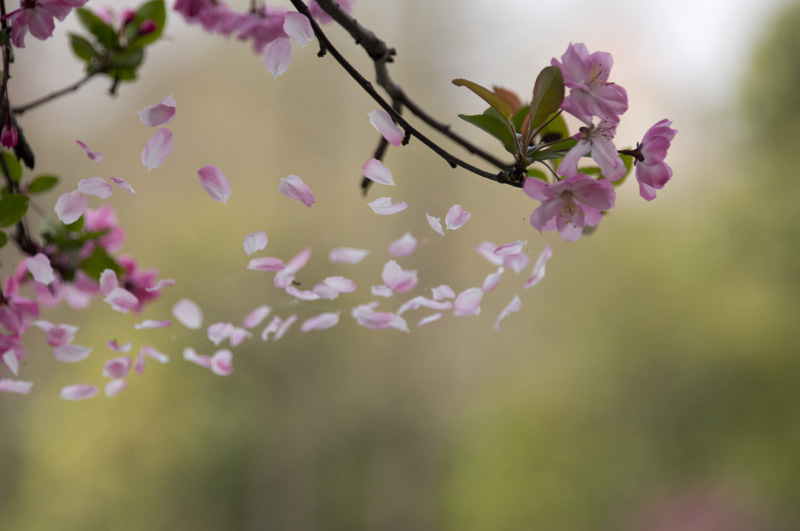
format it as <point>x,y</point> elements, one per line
<point>375,171</point>
<point>277,56</point>
<point>297,26</point>
<point>96,186</point>
<point>435,223</point>
<point>254,242</point>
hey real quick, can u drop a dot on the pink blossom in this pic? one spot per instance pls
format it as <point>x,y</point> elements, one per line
<point>278,56</point>
<point>104,219</point>
<point>456,217</point>
<point>40,269</point>
<point>591,94</point>
<point>140,282</point>
<point>403,246</point>
<point>297,26</point>
<point>16,311</point>
<point>512,307</point>
<point>569,204</point>
<point>539,268</point>
<point>96,186</point>
<point>322,321</point>
<point>37,16</point>
<point>254,242</point>
<point>93,155</point>
<point>651,170</point>
<point>385,207</point>
<point>157,149</point>
<point>221,363</point>
<point>597,140</point>
<point>435,223</point>
<point>375,171</point>
<point>381,121</point>
<point>294,187</point>
<point>78,392</point>
<point>468,302</point>
<point>215,183</point>
<point>264,27</point>
<point>71,206</point>
<point>347,255</point>
<point>160,113</point>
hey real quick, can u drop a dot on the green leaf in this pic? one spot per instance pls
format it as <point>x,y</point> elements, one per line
<point>99,261</point>
<point>128,59</point>
<point>153,10</point>
<point>493,124</point>
<point>12,209</point>
<point>42,183</point>
<point>105,34</point>
<point>75,226</point>
<point>3,239</point>
<point>537,174</point>
<point>496,102</point>
<point>82,47</point>
<point>548,93</point>
<point>556,130</point>
<point>519,117</point>
<point>13,166</point>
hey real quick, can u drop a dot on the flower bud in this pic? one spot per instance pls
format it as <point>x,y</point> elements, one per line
<point>147,27</point>
<point>127,15</point>
<point>9,137</point>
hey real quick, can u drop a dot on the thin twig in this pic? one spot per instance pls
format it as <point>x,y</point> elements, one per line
<point>53,95</point>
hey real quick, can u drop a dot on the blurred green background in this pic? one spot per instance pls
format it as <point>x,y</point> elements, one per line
<point>649,383</point>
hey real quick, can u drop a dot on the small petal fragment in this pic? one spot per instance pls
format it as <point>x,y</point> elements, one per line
<point>493,279</point>
<point>278,56</point>
<point>158,114</point>
<point>157,149</point>
<point>381,121</point>
<point>255,317</point>
<point>150,323</point>
<point>116,347</point>
<point>443,292</point>
<point>71,206</point>
<point>468,302</point>
<point>294,187</point>
<point>39,267</point>
<point>215,183</point>
<point>435,223</point>
<point>403,246</point>
<point>512,307</point>
<point>96,186</point>
<point>78,392</point>
<point>95,156</point>
<point>254,242</point>
<point>322,321</point>
<point>385,207</point>
<point>431,318</point>
<point>114,387</point>
<point>347,255</point>
<point>297,26</point>
<point>539,268</point>
<point>456,217</point>
<point>375,171</point>
<point>122,183</point>
<point>266,263</point>
<point>190,354</point>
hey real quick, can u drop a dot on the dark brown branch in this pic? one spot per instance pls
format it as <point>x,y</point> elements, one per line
<point>55,94</point>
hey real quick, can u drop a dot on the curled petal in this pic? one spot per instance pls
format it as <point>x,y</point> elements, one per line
<point>158,114</point>
<point>78,392</point>
<point>403,246</point>
<point>381,121</point>
<point>297,26</point>
<point>468,302</point>
<point>122,183</point>
<point>385,207</point>
<point>163,283</point>
<point>493,279</point>
<point>190,354</point>
<point>512,307</point>
<point>486,249</point>
<point>347,255</point>
<point>510,248</point>
<point>456,217</point>
<point>266,263</point>
<point>294,187</point>
<point>284,327</point>
<point>322,321</point>
<point>71,206</point>
<point>539,268</point>
<point>157,149</point>
<point>116,347</point>
<point>303,295</point>
<point>429,319</point>
<point>277,56</point>
<point>254,242</point>
<point>215,183</point>
<point>375,171</point>
<point>122,300</point>
<point>397,278</point>
<point>117,367</point>
<point>382,291</point>
<point>151,352</point>
<point>435,223</point>
<point>93,155</point>
<point>222,362</point>
<point>96,186</point>
<point>39,267</point>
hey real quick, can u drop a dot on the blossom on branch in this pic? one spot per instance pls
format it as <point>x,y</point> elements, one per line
<point>651,170</point>
<point>37,17</point>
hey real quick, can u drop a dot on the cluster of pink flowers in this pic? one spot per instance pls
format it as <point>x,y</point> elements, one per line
<point>578,199</point>
<point>37,17</point>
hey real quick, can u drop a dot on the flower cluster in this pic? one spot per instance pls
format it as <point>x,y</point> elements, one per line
<point>37,17</point>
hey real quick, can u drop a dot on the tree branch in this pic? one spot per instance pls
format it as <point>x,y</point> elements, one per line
<point>53,95</point>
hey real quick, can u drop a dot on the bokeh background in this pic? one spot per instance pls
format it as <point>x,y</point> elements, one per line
<point>650,383</point>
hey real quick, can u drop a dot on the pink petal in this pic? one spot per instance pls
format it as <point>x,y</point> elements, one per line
<point>254,242</point>
<point>78,392</point>
<point>158,114</point>
<point>151,352</point>
<point>381,121</point>
<point>239,335</point>
<point>266,264</point>
<point>108,281</point>
<point>375,171</point>
<point>15,386</point>
<point>222,363</point>
<point>539,268</point>
<point>347,255</point>
<point>219,332</point>
<point>116,347</point>
<point>277,56</point>
<point>322,321</point>
<point>493,279</point>
<point>215,183</point>
<point>157,149</point>
<point>431,318</point>
<point>486,249</point>
<point>115,386</point>
<point>150,323</point>
<point>41,270</point>
<point>324,291</point>
<point>403,246</point>
<point>9,357</point>
<point>468,302</point>
<point>456,217</point>
<point>294,187</point>
<point>255,317</point>
<point>163,283</point>
<point>71,206</point>
<point>385,207</point>
<point>96,186</point>
<point>382,291</point>
<point>304,295</point>
<point>284,327</point>
<point>122,183</point>
<point>443,292</point>
<point>512,307</point>
<point>366,316</point>
<point>341,284</point>
<point>57,335</point>
<point>510,248</point>
<point>297,26</point>
<point>122,300</point>
<point>189,354</point>
<point>397,278</point>
<point>117,367</point>
<point>97,157</point>
<point>71,353</point>
<point>435,223</point>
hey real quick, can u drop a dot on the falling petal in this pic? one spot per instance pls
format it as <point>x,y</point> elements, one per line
<point>96,186</point>
<point>385,207</point>
<point>219,332</point>
<point>381,121</point>
<point>468,302</point>
<point>255,317</point>
<point>266,263</point>
<point>95,156</point>
<point>297,26</point>
<point>284,327</point>
<point>443,292</point>
<point>115,386</point>
<point>403,246</point>
<point>117,367</point>
<point>39,267</point>
<point>512,307</point>
<point>150,323</point>
<point>431,318</point>
<point>493,279</point>
<point>539,268</point>
<point>15,386</point>
<point>303,295</point>
<point>382,291</point>
<point>486,249</point>
<point>78,392</point>
<point>163,283</point>
<point>341,284</point>
<point>222,363</point>
<point>189,354</point>
<point>116,347</point>
<point>157,149</point>
<point>277,56</point>
<point>122,183</point>
<point>435,223</point>
<point>9,358</point>
<point>151,352</point>
<point>347,255</point>
<point>122,300</point>
<point>108,281</point>
<point>456,217</point>
<point>255,242</point>
<point>322,321</point>
<point>71,353</point>
<point>375,171</point>
<point>71,206</point>
<point>158,114</point>
<point>215,183</point>
<point>294,187</point>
